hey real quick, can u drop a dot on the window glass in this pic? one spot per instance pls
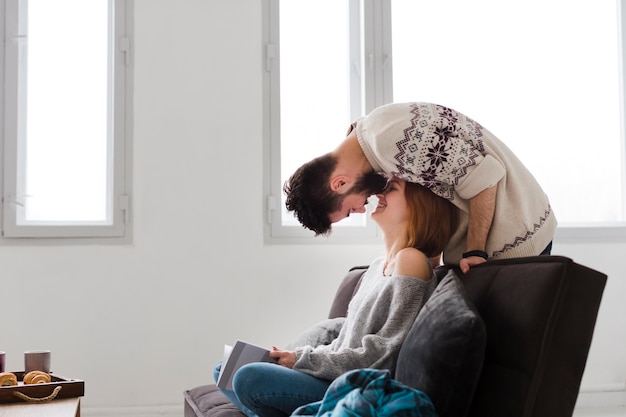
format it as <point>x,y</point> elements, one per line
<point>314,85</point>
<point>64,159</point>
<point>542,76</point>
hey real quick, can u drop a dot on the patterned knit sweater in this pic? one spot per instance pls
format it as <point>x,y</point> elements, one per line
<point>457,158</point>
<point>379,317</point>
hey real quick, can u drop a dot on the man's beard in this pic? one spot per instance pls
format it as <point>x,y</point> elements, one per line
<point>369,183</point>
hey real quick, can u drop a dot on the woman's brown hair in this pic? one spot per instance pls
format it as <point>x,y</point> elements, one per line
<point>433,220</point>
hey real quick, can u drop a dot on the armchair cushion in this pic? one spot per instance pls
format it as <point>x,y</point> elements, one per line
<point>207,400</point>
<point>321,333</point>
<point>443,353</point>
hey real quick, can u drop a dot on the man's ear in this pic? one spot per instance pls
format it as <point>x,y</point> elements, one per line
<point>338,182</point>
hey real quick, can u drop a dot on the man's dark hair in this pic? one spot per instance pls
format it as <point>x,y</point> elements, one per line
<point>309,195</point>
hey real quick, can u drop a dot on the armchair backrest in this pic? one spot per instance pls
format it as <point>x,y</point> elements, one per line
<point>540,314</point>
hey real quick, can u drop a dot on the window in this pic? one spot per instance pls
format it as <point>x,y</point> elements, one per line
<point>551,92</point>
<point>548,84</point>
<point>66,95</point>
<point>314,66</point>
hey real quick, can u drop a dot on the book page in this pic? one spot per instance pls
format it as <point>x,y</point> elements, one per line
<point>242,353</point>
<point>227,350</point>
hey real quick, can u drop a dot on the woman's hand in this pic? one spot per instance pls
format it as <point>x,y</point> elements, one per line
<point>283,357</point>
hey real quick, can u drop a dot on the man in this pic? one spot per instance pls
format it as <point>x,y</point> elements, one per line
<point>504,213</point>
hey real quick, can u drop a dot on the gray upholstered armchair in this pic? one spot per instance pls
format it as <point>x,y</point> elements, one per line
<point>511,340</point>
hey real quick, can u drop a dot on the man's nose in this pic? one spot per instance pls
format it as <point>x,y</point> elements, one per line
<point>360,209</point>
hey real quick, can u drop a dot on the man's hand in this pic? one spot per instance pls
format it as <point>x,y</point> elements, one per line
<point>283,357</point>
<point>467,263</point>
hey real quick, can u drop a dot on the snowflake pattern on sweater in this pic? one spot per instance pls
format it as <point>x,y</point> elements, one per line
<point>456,158</point>
<point>438,148</point>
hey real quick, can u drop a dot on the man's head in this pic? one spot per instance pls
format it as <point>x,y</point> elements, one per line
<point>317,204</point>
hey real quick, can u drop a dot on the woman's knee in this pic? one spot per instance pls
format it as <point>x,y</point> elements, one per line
<point>251,376</point>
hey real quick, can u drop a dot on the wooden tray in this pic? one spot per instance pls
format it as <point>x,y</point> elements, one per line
<point>58,387</point>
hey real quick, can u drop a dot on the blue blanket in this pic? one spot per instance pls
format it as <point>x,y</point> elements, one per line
<point>369,393</point>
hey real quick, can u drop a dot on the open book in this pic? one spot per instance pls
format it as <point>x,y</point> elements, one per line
<point>237,356</point>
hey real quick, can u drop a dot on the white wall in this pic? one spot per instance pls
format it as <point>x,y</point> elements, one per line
<point>140,323</point>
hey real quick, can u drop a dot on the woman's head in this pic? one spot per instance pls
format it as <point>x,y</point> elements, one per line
<point>430,219</point>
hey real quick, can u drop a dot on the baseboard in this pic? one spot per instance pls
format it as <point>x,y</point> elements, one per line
<point>613,395</point>
<point>154,411</point>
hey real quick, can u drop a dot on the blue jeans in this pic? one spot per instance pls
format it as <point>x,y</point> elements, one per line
<point>230,394</point>
<point>269,390</point>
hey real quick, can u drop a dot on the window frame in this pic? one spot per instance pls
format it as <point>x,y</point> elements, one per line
<point>366,92</point>
<point>373,90</point>
<point>118,227</point>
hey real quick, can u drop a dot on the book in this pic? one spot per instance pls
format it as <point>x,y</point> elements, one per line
<point>237,356</point>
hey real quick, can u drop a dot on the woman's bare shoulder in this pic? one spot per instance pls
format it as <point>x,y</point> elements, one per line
<point>413,263</point>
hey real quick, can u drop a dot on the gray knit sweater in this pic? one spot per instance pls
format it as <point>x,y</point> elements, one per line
<point>457,158</point>
<point>379,317</point>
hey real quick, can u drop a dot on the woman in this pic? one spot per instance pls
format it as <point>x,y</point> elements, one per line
<point>416,225</point>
